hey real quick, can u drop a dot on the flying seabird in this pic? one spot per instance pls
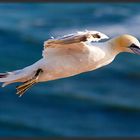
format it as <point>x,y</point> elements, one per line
<point>70,55</point>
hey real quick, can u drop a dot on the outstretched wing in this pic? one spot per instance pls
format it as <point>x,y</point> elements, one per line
<point>75,41</point>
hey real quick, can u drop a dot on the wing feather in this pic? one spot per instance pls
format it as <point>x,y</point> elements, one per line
<point>73,41</point>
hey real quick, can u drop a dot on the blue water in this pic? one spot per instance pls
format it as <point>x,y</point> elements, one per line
<point>105,102</point>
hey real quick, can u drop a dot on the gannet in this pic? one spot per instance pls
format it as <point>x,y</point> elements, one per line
<point>70,55</point>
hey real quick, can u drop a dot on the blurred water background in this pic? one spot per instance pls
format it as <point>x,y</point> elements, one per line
<point>105,102</point>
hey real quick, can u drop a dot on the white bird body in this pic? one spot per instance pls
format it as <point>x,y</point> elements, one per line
<point>71,55</point>
<point>61,63</point>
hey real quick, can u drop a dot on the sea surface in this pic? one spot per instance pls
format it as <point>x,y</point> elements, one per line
<point>105,102</point>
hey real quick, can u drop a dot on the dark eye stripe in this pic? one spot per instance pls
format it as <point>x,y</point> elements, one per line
<point>134,46</point>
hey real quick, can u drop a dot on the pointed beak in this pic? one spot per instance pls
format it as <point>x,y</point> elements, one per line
<point>135,49</point>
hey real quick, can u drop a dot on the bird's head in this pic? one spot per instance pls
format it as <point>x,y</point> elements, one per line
<point>126,43</point>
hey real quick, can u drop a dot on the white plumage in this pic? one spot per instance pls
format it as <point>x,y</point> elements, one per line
<point>70,55</point>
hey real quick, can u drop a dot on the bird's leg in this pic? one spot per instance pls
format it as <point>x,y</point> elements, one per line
<point>24,87</point>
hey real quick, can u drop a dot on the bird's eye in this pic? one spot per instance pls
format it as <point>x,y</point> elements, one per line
<point>133,46</point>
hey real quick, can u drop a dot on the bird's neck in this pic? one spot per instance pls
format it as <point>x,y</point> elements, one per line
<point>108,48</point>
<point>112,47</point>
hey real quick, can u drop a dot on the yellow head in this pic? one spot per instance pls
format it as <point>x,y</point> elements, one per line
<point>126,43</point>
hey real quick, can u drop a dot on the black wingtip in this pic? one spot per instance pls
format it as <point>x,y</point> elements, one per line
<point>3,75</point>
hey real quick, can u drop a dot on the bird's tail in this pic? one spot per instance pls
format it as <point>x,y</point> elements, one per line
<point>26,75</point>
<point>12,77</point>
